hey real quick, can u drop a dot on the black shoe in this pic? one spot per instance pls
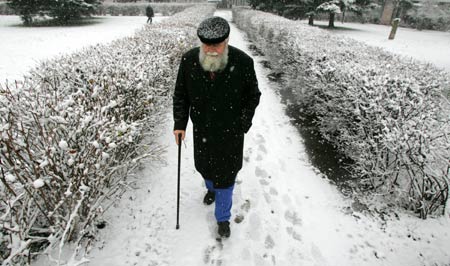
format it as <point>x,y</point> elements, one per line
<point>224,229</point>
<point>209,198</point>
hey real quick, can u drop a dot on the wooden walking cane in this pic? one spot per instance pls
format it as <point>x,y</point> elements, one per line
<point>178,189</point>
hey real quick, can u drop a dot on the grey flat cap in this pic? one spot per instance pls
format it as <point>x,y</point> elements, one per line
<point>213,30</point>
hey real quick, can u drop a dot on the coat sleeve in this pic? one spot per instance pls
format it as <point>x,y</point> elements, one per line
<point>181,102</point>
<point>251,97</point>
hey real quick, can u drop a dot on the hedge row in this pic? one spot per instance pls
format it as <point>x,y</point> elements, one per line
<point>388,113</point>
<point>76,127</point>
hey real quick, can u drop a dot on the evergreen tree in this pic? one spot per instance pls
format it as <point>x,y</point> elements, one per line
<point>27,9</point>
<point>312,9</point>
<point>331,7</point>
<point>65,10</point>
<point>61,10</point>
<point>340,6</point>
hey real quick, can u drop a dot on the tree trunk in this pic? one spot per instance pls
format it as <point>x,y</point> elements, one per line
<point>395,23</point>
<point>388,12</point>
<point>27,20</point>
<point>331,21</point>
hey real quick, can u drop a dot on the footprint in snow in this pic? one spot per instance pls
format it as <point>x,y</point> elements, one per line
<point>293,233</point>
<point>264,123</point>
<point>245,207</point>
<point>262,260</point>
<point>213,253</point>
<point>317,255</point>
<point>259,158</point>
<point>289,140</point>
<point>238,218</point>
<point>260,172</point>
<point>263,182</point>
<point>211,256</point>
<point>262,148</point>
<point>260,139</point>
<point>273,191</point>
<point>267,198</point>
<point>269,243</point>
<point>293,218</point>
<point>248,152</point>
<point>207,254</point>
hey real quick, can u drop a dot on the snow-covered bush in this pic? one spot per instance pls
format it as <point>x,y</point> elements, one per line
<point>138,9</point>
<point>430,15</point>
<point>71,133</point>
<point>330,7</point>
<point>388,113</point>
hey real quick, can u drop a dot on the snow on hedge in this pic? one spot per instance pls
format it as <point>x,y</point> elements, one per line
<point>75,128</point>
<point>386,112</point>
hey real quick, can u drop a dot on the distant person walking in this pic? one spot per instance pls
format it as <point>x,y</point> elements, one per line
<point>149,13</point>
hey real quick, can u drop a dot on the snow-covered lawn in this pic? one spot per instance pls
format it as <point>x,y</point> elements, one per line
<point>291,215</point>
<point>426,45</point>
<point>22,47</point>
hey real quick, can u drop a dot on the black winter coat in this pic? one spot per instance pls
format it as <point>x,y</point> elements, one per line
<point>221,111</point>
<point>149,11</point>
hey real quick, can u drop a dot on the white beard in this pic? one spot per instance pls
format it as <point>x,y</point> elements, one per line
<point>212,61</point>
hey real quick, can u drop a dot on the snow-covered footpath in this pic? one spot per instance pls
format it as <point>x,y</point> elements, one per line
<point>290,214</point>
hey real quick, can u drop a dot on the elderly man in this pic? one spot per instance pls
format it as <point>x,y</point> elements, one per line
<point>217,87</point>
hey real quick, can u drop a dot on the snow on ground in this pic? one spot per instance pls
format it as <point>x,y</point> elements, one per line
<point>291,215</point>
<point>426,45</point>
<point>22,47</point>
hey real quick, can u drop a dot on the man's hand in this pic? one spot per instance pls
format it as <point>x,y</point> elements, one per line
<point>176,132</point>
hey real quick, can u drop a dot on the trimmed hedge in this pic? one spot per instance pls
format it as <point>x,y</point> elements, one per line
<point>76,127</point>
<point>386,112</point>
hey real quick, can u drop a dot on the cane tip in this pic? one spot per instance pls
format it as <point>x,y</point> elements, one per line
<point>177,227</point>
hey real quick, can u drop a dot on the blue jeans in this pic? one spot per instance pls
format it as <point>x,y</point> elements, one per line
<point>224,201</point>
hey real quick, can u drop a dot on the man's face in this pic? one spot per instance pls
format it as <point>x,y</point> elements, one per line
<point>214,57</point>
<point>216,49</point>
